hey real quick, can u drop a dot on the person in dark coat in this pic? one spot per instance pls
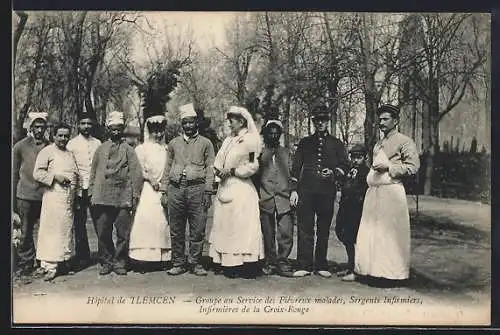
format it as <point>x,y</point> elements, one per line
<point>319,161</point>
<point>351,206</point>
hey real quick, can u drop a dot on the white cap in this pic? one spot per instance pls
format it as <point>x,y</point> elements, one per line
<point>35,116</point>
<point>115,118</point>
<point>187,111</point>
<point>276,122</point>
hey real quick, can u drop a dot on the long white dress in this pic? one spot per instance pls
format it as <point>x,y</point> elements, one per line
<point>150,234</point>
<point>383,242</point>
<point>55,235</point>
<point>236,235</point>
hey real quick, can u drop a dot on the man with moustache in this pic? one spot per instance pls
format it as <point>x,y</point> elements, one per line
<point>186,188</point>
<point>83,147</point>
<point>27,200</point>
<point>319,161</point>
<point>115,184</point>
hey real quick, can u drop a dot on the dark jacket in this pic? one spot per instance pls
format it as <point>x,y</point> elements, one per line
<point>312,155</point>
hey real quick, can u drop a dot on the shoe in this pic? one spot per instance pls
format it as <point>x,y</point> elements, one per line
<point>198,270</point>
<point>176,270</point>
<point>284,271</point>
<point>120,270</point>
<point>268,270</point>
<point>50,275</point>
<point>39,273</point>
<point>218,269</point>
<point>324,273</point>
<point>349,277</point>
<point>342,273</point>
<point>106,269</point>
<point>301,273</point>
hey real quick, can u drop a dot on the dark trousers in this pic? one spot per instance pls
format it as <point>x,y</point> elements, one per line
<point>185,202</point>
<point>311,204</point>
<point>277,228</point>
<point>82,250</point>
<point>29,213</point>
<point>105,217</point>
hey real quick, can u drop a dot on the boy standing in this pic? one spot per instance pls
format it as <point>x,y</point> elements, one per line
<point>351,207</point>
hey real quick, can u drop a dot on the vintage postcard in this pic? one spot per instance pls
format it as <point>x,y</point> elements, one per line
<point>258,168</point>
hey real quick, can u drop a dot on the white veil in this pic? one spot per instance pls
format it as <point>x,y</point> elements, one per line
<point>252,128</point>
<point>155,118</point>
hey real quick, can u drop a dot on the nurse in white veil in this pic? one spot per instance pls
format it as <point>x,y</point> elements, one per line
<point>236,243</point>
<point>150,234</point>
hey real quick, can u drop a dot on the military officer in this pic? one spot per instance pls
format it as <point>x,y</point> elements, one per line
<point>319,161</point>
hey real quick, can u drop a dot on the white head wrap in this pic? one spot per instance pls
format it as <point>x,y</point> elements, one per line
<point>155,118</point>
<point>187,111</point>
<point>276,122</point>
<point>252,128</point>
<point>34,116</point>
<point>115,118</point>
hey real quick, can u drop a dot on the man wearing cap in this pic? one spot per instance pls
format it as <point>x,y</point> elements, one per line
<point>28,193</point>
<point>186,185</point>
<point>384,241</point>
<point>275,210</point>
<point>83,147</point>
<point>319,161</point>
<point>115,184</point>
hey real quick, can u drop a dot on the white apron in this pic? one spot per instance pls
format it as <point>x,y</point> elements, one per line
<point>383,241</point>
<point>150,234</point>
<point>55,235</point>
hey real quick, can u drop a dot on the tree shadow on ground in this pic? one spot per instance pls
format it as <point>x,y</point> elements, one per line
<point>448,256</point>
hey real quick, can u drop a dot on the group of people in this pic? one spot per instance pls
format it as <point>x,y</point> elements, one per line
<point>150,193</point>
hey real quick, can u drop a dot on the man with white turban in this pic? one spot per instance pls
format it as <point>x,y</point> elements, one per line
<point>115,184</point>
<point>187,184</point>
<point>27,199</point>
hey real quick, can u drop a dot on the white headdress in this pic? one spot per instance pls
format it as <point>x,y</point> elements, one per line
<point>252,128</point>
<point>187,111</point>
<point>35,116</point>
<point>152,119</point>
<point>276,122</point>
<point>115,118</point>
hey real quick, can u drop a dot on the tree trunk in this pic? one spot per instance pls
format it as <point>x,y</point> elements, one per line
<point>370,120</point>
<point>431,136</point>
<point>23,18</point>
<point>286,121</point>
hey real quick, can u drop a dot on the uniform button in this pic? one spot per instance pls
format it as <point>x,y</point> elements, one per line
<point>319,154</point>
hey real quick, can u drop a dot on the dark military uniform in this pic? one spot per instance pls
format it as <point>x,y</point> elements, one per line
<point>316,195</point>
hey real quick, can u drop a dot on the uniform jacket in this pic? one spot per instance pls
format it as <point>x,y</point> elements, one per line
<point>274,180</point>
<point>355,185</point>
<point>314,153</point>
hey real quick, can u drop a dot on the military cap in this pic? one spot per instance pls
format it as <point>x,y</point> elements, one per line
<point>320,111</point>
<point>358,148</point>
<point>388,108</point>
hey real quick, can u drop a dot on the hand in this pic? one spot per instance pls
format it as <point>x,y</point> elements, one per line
<point>155,186</point>
<point>294,199</point>
<point>381,167</point>
<point>62,180</point>
<point>339,172</point>
<point>207,200</point>
<point>164,199</point>
<point>224,174</point>
<point>326,173</point>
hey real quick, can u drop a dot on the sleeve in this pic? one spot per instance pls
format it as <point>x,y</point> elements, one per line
<point>409,163</point>
<point>16,166</point>
<point>41,171</point>
<point>209,163</point>
<point>135,171</point>
<point>93,169</point>
<point>297,163</point>
<point>142,161</point>
<point>250,164</point>
<point>166,172</point>
<point>343,158</point>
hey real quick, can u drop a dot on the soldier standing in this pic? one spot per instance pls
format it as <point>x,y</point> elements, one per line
<point>320,159</point>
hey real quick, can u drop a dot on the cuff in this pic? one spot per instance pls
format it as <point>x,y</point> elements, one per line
<point>293,184</point>
<point>233,172</point>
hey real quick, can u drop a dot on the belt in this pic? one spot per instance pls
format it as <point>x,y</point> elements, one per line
<point>184,182</point>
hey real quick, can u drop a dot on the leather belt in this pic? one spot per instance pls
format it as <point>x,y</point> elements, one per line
<point>184,182</point>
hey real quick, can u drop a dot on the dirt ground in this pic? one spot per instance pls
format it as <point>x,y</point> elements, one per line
<point>450,260</point>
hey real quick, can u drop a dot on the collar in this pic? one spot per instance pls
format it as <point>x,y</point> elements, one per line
<point>187,138</point>
<point>84,138</point>
<point>389,134</point>
<point>34,141</point>
<point>317,134</point>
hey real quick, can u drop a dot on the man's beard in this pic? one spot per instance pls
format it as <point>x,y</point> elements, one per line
<point>272,142</point>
